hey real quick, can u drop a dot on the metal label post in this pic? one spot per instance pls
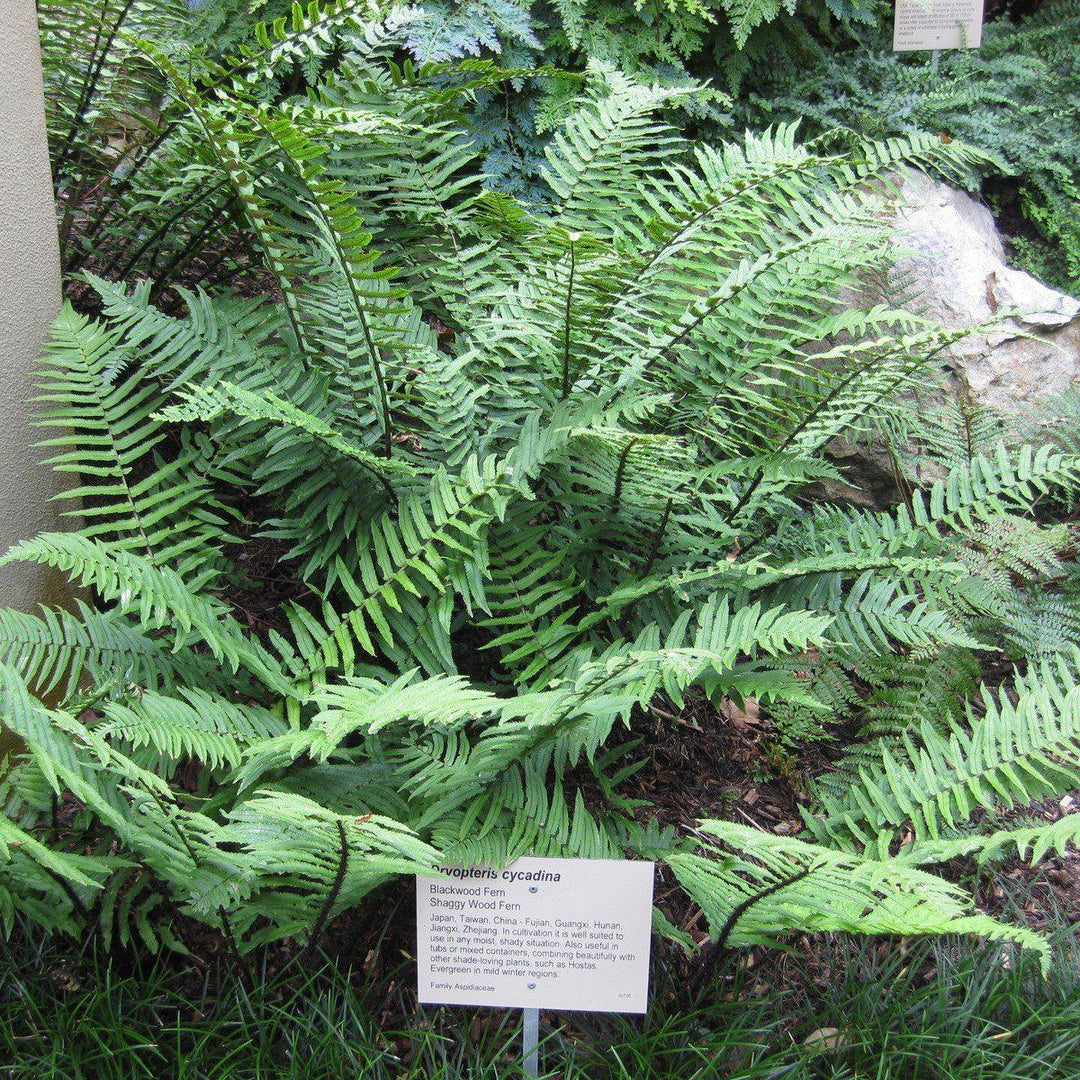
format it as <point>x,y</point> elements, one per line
<point>530,1037</point>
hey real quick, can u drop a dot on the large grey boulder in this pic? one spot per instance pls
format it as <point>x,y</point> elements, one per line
<point>954,257</point>
<point>951,268</point>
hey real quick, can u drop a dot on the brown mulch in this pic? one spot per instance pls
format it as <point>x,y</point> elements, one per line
<point>701,762</point>
<point>1044,895</point>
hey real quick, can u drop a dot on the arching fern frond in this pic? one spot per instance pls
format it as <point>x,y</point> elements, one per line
<point>1031,843</point>
<point>193,724</point>
<point>52,650</point>
<point>156,596</point>
<point>106,413</point>
<point>759,887</point>
<point>308,863</point>
<point>599,155</point>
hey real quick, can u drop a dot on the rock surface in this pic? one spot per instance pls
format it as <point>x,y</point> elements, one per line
<point>954,257</point>
<point>952,269</point>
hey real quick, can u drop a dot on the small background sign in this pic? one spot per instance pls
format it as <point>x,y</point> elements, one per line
<point>937,24</point>
<point>569,934</point>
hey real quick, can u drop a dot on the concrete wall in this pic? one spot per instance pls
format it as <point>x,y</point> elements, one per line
<point>29,295</point>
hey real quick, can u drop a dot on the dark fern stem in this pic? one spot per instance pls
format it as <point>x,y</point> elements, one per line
<point>147,154</point>
<point>218,221</point>
<point>900,478</point>
<point>811,416</point>
<point>801,426</point>
<point>117,190</point>
<point>620,474</point>
<point>178,926</point>
<point>72,895</point>
<point>969,435</point>
<point>335,890</point>
<point>567,322</point>
<point>657,540</point>
<point>89,87</point>
<point>165,228</point>
<point>242,969</point>
<point>737,912</point>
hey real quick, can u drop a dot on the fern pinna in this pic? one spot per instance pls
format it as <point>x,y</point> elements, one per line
<point>526,469</point>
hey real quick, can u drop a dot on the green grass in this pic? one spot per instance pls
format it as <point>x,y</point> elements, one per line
<point>944,1010</point>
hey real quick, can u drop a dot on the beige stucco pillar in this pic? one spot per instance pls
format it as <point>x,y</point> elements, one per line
<point>29,294</point>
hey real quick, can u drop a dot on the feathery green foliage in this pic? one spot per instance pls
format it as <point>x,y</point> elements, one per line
<point>522,470</point>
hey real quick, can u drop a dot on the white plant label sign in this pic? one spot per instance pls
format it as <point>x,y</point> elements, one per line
<point>937,24</point>
<point>570,934</point>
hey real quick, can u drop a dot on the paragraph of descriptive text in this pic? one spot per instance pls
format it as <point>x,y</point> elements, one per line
<point>544,933</point>
<point>937,24</point>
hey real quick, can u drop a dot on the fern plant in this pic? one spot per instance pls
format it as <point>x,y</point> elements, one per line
<point>725,38</point>
<point>522,471</point>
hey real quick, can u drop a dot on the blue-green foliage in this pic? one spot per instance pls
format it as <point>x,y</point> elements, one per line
<point>451,31</point>
<point>720,39</point>
<point>827,62</point>
<point>503,120</point>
